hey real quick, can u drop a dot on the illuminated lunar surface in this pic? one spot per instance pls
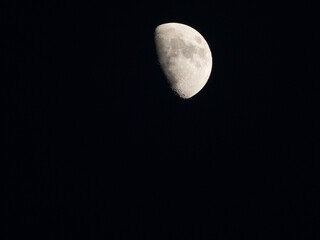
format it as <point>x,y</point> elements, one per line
<point>184,57</point>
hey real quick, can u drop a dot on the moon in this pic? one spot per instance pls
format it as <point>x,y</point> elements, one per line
<point>184,57</point>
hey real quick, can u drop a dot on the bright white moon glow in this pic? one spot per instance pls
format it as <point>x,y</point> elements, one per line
<point>184,57</point>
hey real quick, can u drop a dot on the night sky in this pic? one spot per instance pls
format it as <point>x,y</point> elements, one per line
<point>97,146</point>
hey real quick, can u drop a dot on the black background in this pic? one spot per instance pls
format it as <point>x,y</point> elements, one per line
<point>98,146</point>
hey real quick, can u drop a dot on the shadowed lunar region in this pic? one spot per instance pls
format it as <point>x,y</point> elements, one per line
<point>184,57</point>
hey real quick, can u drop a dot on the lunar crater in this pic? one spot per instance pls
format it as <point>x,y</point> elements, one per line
<point>198,39</point>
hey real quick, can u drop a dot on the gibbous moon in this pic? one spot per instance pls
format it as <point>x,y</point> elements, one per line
<point>184,57</point>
